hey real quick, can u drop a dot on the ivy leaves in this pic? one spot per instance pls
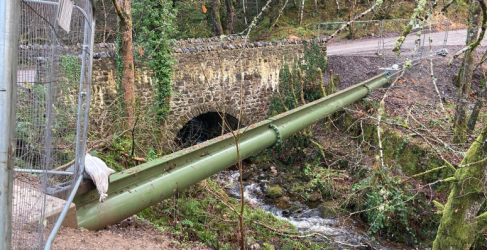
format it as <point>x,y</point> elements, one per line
<point>152,28</point>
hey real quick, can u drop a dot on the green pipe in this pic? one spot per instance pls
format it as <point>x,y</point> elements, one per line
<point>135,189</point>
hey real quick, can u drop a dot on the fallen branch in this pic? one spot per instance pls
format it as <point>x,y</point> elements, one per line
<point>135,158</point>
<point>99,145</point>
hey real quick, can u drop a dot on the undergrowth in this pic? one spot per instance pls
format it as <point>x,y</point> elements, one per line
<point>204,213</point>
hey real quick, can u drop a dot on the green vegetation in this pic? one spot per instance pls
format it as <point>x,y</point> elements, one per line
<point>194,19</point>
<point>384,197</point>
<point>274,192</point>
<point>154,27</point>
<point>299,80</point>
<point>205,213</point>
<point>71,68</point>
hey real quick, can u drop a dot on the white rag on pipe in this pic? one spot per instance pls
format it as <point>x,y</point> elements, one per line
<point>99,173</point>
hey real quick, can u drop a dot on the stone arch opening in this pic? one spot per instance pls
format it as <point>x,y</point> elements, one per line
<point>204,127</point>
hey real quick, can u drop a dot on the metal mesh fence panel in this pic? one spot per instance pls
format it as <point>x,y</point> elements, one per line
<point>379,37</point>
<point>53,77</point>
<point>416,44</point>
<point>360,30</point>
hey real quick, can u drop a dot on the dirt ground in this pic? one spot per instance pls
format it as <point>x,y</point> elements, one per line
<point>126,235</point>
<point>415,86</point>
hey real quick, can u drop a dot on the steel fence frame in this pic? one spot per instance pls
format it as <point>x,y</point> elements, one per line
<point>381,47</point>
<point>9,37</point>
<point>345,23</point>
<point>46,93</point>
<point>418,51</point>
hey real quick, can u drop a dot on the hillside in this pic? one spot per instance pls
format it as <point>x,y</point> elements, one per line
<point>192,21</point>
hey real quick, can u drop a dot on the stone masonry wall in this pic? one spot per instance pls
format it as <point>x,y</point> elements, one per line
<point>205,72</point>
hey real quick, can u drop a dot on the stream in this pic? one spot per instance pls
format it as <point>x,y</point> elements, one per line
<point>307,217</point>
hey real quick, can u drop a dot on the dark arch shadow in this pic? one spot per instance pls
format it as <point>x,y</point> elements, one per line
<point>202,128</point>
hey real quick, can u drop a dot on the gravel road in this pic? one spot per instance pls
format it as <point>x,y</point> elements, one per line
<point>370,45</point>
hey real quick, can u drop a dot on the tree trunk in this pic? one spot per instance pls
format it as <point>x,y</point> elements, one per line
<point>230,15</point>
<point>124,12</point>
<point>215,16</point>
<point>271,14</point>
<point>476,110</point>
<point>350,17</point>
<point>460,225</point>
<point>465,77</point>
<point>257,7</point>
<point>244,14</point>
<point>302,9</point>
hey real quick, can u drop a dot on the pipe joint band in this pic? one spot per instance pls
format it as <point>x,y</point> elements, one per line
<point>368,91</point>
<point>278,135</point>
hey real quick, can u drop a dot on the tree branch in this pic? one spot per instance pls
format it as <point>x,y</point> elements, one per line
<point>377,3</point>
<point>429,171</point>
<point>439,206</point>
<point>474,45</point>
<point>119,10</point>
<point>416,15</point>
<point>482,221</point>
<point>473,163</point>
<point>445,8</point>
<point>280,12</point>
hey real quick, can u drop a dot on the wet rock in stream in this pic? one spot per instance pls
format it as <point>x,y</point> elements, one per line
<point>246,175</point>
<point>274,192</point>
<point>282,195</point>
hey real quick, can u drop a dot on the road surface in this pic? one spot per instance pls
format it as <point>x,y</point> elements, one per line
<point>455,38</point>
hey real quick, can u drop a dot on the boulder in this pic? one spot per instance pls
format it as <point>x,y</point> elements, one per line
<point>274,192</point>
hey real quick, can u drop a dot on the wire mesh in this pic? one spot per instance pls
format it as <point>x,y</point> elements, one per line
<point>51,113</point>
<point>359,30</point>
<point>415,43</point>
<point>380,36</point>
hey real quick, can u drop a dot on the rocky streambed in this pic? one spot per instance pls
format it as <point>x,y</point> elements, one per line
<point>279,194</point>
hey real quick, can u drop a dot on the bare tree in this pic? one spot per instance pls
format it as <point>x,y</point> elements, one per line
<point>460,225</point>
<point>301,16</point>
<point>124,12</point>
<point>464,77</point>
<point>244,14</point>
<point>215,16</point>
<point>479,103</point>
<point>230,16</point>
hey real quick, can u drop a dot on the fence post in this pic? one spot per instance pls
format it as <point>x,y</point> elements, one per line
<point>9,38</point>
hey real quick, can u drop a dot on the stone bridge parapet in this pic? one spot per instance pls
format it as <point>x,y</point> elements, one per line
<point>229,73</point>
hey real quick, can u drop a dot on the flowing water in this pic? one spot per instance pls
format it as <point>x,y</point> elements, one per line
<point>307,217</point>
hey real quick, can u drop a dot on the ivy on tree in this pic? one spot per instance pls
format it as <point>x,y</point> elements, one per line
<point>152,27</point>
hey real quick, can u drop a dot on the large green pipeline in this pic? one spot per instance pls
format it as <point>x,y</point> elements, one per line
<point>135,189</point>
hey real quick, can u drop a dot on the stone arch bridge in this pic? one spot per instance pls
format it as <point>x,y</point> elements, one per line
<point>207,78</point>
